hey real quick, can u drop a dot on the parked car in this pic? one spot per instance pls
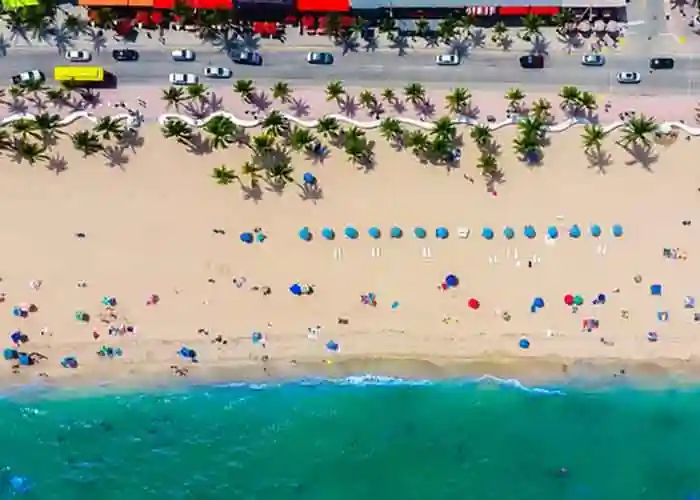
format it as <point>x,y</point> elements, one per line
<point>183,79</point>
<point>247,57</point>
<point>78,56</point>
<point>662,63</point>
<point>183,55</point>
<point>33,75</point>
<point>629,77</point>
<point>593,60</point>
<point>532,62</point>
<point>447,60</point>
<point>217,72</point>
<point>125,55</point>
<point>323,58</point>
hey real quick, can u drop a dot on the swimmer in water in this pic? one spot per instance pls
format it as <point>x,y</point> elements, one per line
<point>563,472</point>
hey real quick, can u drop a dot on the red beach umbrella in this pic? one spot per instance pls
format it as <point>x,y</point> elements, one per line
<point>569,299</point>
<point>474,304</point>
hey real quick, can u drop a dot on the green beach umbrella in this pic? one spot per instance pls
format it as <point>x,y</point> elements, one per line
<point>81,315</point>
<point>578,300</point>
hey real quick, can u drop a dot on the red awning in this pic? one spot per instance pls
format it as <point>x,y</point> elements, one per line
<point>523,10</point>
<point>308,22</point>
<point>143,17</point>
<point>265,28</point>
<point>123,27</point>
<point>210,4</point>
<point>323,5</point>
<point>157,17</point>
<point>545,10</point>
<point>163,4</point>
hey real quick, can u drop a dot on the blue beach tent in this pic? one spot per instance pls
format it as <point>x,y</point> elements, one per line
<point>419,232</point>
<point>487,233</point>
<point>575,231</point>
<point>524,343</point>
<point>617,231</point>
<point>332,346</point>
<point>508,232</point>
<point>328,233</point>
<point>396,232</point>
<point>247,238</point>
<point>351,233</point>
<point>442,233</point>
<point>9,354</point>
<point>296,289</point>
<point>374,232</point>
<point>309,178</point>
<point>596,231</point>
<point>529,231</point>
<point>305,234</point>
<point>552,232</point>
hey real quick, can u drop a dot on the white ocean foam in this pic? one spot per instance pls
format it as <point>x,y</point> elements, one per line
<point>134,120</point>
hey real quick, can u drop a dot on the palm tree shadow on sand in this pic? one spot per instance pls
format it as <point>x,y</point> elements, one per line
<point>401,44</point>
<point>299,107</point>
<point>199,145</point>
<point>115,157</point>
<point>644,156</point>
<point>57,164</point>
<point>17,106</point>
<point>425,109</point>
<point>252,193</point>
<point>260,101</point>
<point>348,106</point>
<point>310,192</point>
<point>599,160</point>
<point>495,179</point>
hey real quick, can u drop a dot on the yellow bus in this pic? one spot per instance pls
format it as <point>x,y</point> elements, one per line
<point>79,74</point>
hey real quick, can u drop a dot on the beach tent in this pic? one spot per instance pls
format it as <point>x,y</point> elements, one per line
<point>24,359</point>
<point>247,237</point>
<point>374,232</point>
<point>396,232</point>
<point>524,343</point>
<point>487,233</point>
<point>309,178</point>
<point>508,232</point>
<point>256,337</point>
<point>617,231</point>
<point>296,289</point>
<point>596,231</point>
<point>529,232</point>
<point>538,302</point>
<point>655,289</point>
<point>689,302</point>
<point>18,312</point>
<point>82,316</point>
<point>451,281</point>
<point>575,231</point>
<point>305,234</point>
<point>328,233</point>
<point>332,346</point>
<point>188,353</point>
<point>442,233</point>
<point>69,362</point>
<point>10,354</point>
<point>552,232</point>
<point>419,232</point>
<point>351,233</point>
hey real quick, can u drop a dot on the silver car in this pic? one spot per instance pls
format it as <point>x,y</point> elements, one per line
<point>629,77</point>
<point>593,60</point>
<point>78,56</point>
<point>217,72</point>
<point>183,79</point>
<point>447,60</point>
<point>183,55</point>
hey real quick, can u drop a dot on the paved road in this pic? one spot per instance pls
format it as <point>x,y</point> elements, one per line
<point>480,70</point>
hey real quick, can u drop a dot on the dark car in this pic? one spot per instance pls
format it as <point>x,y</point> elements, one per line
<point>532,62</point>
<point>125,55</point>
<point>662,63</point>
<point>248,58</point>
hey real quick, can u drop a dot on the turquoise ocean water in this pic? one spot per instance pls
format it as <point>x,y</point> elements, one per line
<point>361,438</point>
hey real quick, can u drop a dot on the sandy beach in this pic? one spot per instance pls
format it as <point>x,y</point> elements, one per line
<point>148,230</point>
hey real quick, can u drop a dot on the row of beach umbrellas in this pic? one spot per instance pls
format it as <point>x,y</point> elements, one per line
<point>488,233</point>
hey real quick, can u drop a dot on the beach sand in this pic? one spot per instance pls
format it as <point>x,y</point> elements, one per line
<point>148,226</point>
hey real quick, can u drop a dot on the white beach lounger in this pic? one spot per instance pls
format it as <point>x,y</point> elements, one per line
<point>427,253</point>
<point>463,232</point>
<point>338,253</point>
<point>376,252</point>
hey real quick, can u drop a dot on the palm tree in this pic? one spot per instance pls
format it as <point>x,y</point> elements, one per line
<point>444,128</point>
<point>281,91</point>
<point>458,100</point>
<point>57,96</point>
<point>564,20</point>
<point>245,88</point>
<point>528,147</point>
<point>389,96</point>
<point>275,124</point>
<point>223,175</point>
<point>569,96</point>
<point>328,127</point>
<point>87,142</point>
<point>31,151</point>
<point>532,126</point>
<point>587,101</point>
<point>637,130</point>
<point>515,98</point>
<point>48,125</point>
<point>173,97</point>
<point>353,134</point>
<point>541,109</point>
<point>179,129</point>
<point>447,30</point>
<point>532,25</point>
<point>197,92</point>
<point>108,127</point>
<point>418,141</point>
<point>280,172</point>
<point>592,137</point>
<point>358,150</point>
<point>252,172</point>
<point>222,130</point>
<point>301,139</point>
<point>368,100</point>
<point>391,129</point>
<point>482,135</point>
<point>414,93</point>
<point>25,128</point>
<point>334,91</point>
<point>262,143</point>
<point>499,32</point>
<point>487,164</point>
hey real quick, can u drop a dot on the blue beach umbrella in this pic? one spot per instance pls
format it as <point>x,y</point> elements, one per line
<point>24,359</point>
<point>575,231</point>
<point>419,232</point>
<point>508,232</point>
<point>617,231</point>
<point>309,178</point>
<point>442,233</point>
<point>328,233</point>
<point>296,289</point>
<point>351,233</point>
<point>396,232</point>
<point>247,238</point>
<point>305,234</point>
<point>374,232</point>
<point>552,232</point>
<point>487,233</point>
<point>529,231</point>
<point>9,354</point>
<point>524,343</point>
<point>596,231</point>
<point>332,346</point>
<point>451,280</point>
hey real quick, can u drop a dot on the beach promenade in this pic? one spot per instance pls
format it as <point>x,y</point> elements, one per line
<point>145,257</point>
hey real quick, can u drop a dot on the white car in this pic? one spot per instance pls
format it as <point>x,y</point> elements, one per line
<point>447,60</point>
<point>183,55</point>
<point>33,75</point>
<point>78,56</point>
<point>217,72</point>
<point>593,60</point>
<point>629,77</point>
<point>183,79</point>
